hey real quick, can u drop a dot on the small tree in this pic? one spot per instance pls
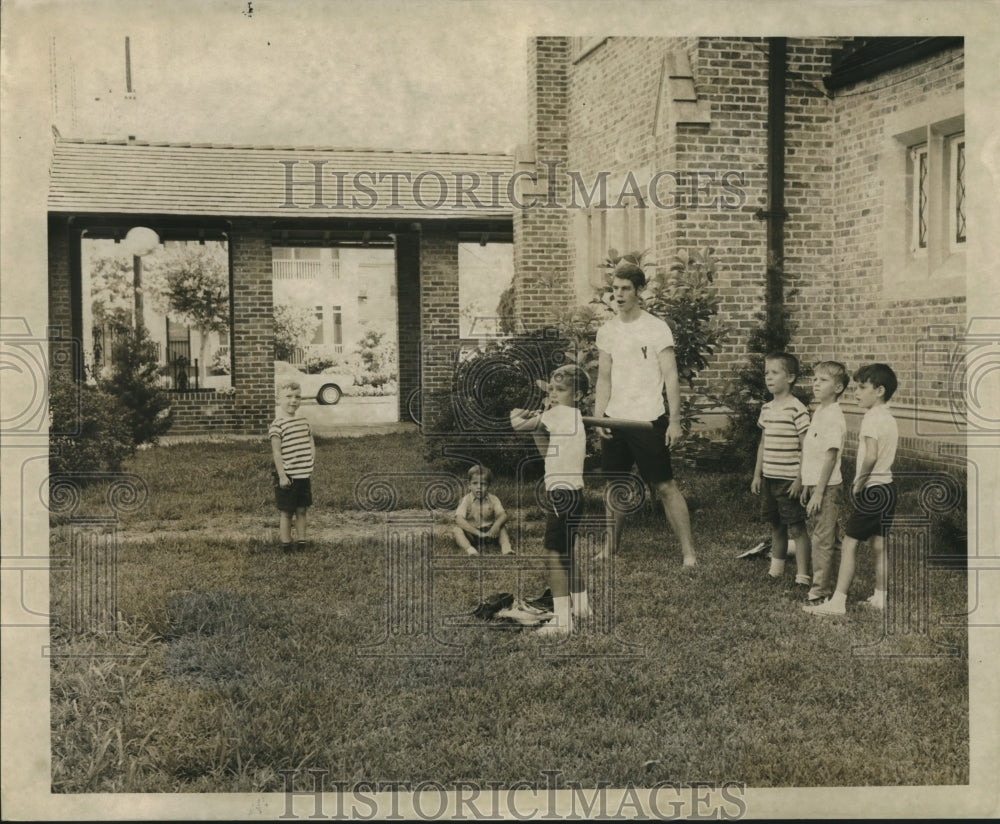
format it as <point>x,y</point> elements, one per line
<point>194,284</point>
<point>377,359</point>
<point>135,383</point>
<point>294,327</point>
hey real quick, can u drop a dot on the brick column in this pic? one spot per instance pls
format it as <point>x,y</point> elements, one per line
<point>543,282</point>
<point>439,321</point>
<point>253,324</point>
<point>408,322</point>
<point>61,315</point>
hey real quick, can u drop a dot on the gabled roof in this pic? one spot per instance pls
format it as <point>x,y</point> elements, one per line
<point>135,177</point>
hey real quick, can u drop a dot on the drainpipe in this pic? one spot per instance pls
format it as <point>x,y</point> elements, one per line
<point>775,214</point>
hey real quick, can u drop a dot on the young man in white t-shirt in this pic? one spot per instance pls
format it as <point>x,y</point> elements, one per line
<point>636,361</point>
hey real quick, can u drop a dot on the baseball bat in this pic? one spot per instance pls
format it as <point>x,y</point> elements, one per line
<point>616,423</point>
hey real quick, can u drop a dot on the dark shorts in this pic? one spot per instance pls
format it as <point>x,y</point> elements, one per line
<point>777,507</point>
<point>563,509</point>
<point>296,496</point>
<point>480,541</point>
<point>646,448</point>
<point>871,512</point>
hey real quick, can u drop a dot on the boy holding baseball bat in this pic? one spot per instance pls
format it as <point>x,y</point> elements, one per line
<point>560,436</point>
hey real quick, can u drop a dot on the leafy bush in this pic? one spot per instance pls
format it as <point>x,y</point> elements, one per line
<point>88,428</point>
<point>367,391</point>
<point>488,382</point>
<point>376,360</point>
<point>320,358</point>
<point>135,383</point>
<point>220,362</point>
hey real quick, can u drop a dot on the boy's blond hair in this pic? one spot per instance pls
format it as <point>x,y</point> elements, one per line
<point>288,384</point>
<point>573,374</point>
<point>836,371</point>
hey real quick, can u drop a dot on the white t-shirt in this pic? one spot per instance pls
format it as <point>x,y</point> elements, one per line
<point>567,447</point>
<point>827,431</point>
<point>879,424</point>
<point>636,379</point>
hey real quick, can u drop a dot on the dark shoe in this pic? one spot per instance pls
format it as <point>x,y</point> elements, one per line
<point>286,547</point>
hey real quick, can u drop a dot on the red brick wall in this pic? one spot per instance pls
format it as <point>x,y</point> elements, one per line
<point>837,292</point>
<point>542,273</point>
<point>874,325</point>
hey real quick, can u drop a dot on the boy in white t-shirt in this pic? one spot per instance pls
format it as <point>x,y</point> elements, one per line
<point>821,478</point>
<point>873,494</point>
<point>560,436</point>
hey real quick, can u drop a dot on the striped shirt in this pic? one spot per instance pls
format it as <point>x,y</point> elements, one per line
<point>298,451</point>
<point>783,421</point>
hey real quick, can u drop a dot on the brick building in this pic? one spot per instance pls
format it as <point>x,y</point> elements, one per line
<point>842,157</point>
<point>420,206</point>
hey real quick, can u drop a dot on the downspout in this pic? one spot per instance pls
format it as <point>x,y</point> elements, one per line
<point>775,213</point>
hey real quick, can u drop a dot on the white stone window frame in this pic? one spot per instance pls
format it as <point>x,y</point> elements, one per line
<point>629,228</point>
<point>912,271</point>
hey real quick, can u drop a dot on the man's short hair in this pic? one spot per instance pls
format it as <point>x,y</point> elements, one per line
<point>288,384</point>
<point>836,371</point>
<point>878,374</point>
<point>574,375</point>
<point>789,363</point>
<point>627,270</point>
<point>480,473</point>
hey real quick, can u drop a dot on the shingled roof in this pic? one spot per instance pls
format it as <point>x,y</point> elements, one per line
<point>136,177</point>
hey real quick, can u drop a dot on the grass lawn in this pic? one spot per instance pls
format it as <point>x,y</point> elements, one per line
<point>254,662</point>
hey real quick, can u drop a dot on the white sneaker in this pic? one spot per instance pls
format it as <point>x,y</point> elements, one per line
<point>825,608</point>
<point>876,602</point>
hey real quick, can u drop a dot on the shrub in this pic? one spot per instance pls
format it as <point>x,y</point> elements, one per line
<point>490,380</point>
<point>320,358</point>
<point>376,361</point>
<point>88,429</point>
<point>135,383</point>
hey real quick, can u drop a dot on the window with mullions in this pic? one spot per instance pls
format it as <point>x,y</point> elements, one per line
<point>956,190</point>
<point>918,198</point>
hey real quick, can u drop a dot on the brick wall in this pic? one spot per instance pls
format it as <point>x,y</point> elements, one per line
<point>873,323</point>
<point>542,273</point>
<point>833,194</point>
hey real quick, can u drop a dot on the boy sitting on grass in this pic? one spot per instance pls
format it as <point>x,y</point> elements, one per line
<point>294,454</point>
<point>777,477</point>
<point>480,517</point>
<point>873,495</point>
<point>560,436</point>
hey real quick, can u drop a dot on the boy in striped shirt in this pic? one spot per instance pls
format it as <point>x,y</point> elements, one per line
<point>294,454</point>
<point>777,476</point>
